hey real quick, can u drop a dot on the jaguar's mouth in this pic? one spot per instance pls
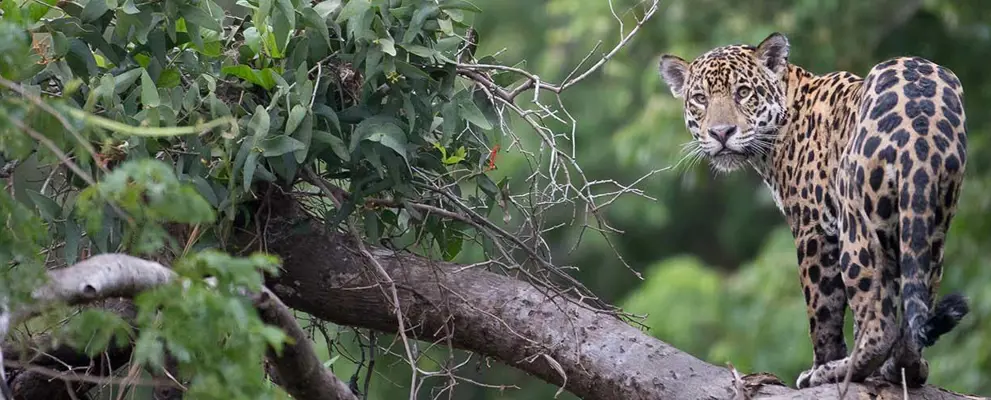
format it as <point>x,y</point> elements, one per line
<point>728,159</point>
<point>726,151</point>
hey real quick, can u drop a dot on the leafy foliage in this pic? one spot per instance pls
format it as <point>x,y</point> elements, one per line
<point>21,264</point>
<point>148,193</point>
<point>219,315</point>
<point>170,113</point>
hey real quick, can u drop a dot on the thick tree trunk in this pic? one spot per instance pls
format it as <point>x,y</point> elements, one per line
<point>594,355</point>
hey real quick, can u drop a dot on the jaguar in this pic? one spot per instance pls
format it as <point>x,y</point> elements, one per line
<point>867,172</point>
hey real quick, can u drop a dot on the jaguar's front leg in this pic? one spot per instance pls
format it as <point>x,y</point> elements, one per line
<point>825,298</point>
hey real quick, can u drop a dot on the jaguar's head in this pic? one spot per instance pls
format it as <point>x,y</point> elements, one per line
<point>734,98</point>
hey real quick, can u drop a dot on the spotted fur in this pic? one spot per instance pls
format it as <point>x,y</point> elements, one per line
<point>867,172</point>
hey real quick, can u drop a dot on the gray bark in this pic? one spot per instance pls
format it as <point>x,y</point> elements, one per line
<point>593,355</point>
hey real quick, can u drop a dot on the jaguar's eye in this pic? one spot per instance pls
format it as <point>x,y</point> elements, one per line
<point>700,98</point>
<point>743,92</point>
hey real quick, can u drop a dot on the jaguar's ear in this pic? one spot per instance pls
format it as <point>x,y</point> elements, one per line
<point>773,53</point>
<point>674,73</point>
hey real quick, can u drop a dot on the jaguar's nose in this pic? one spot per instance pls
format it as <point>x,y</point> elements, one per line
<point>722,133</point>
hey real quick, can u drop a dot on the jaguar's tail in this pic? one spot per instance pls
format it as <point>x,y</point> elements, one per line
<point>945,316</point>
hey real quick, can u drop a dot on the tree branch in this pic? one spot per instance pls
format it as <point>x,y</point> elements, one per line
<point>600,356</point>
<point>120,275</point>
<point>534,82</point>
<point>299,370</point>
<point>326,274</point>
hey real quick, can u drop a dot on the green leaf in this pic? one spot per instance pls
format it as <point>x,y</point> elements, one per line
<point>487,186</point>
<point>148,350</point>
<point>278,145</point>
<point>325,8</point>
<point>410,71</point>
<point>262,12</point>
<point>196,15</point>
<point>11,12</point>
<point>245,148</point>
<point>313,20</point>
<point>388,46</point>
<point>459,5</point>
<point>471,112</point>
<point>329,114</point>
<point>49,209</point>
<point>60,44</point>
<point>271,45</point>
<point>260,123</point>
<point>353,8</point>
<point>124,81</point>
<point>419,18</point>
<point>93,330</point>
<point>205,190</point>
<point>129,7</point>
<point>253,39</point>
<point>38,8</point>
<point>421,51</point>
<point>80,59</point>
<point>452,245</point>
<point>94,9</point>
<point>335,143</point>
<point>458,156</point>
<point>72,233</point>
<point>446,26</point>
<point>441,149</point>
<point>169,78</point>
<point>295,117</point>
<point>263,78</point>
<point>249,169</point>
<point>192,98</point>
<point>149,93</point>
<point>305,136</point>
<point>381,130</point>
<point>285,22</point>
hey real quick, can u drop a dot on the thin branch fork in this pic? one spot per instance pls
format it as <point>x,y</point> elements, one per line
<point>120,275</point>
<point>533,81</point>
<point>465,214</point>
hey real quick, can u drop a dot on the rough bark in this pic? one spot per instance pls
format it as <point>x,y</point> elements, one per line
<point>298,369</point>
<point>595,356</point>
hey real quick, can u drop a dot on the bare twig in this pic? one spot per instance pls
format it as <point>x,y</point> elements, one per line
<point>70,376</point>
<point>534,82</point>
<point>54,149</point>
<point>37,101</point>
<point>400,320</point>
